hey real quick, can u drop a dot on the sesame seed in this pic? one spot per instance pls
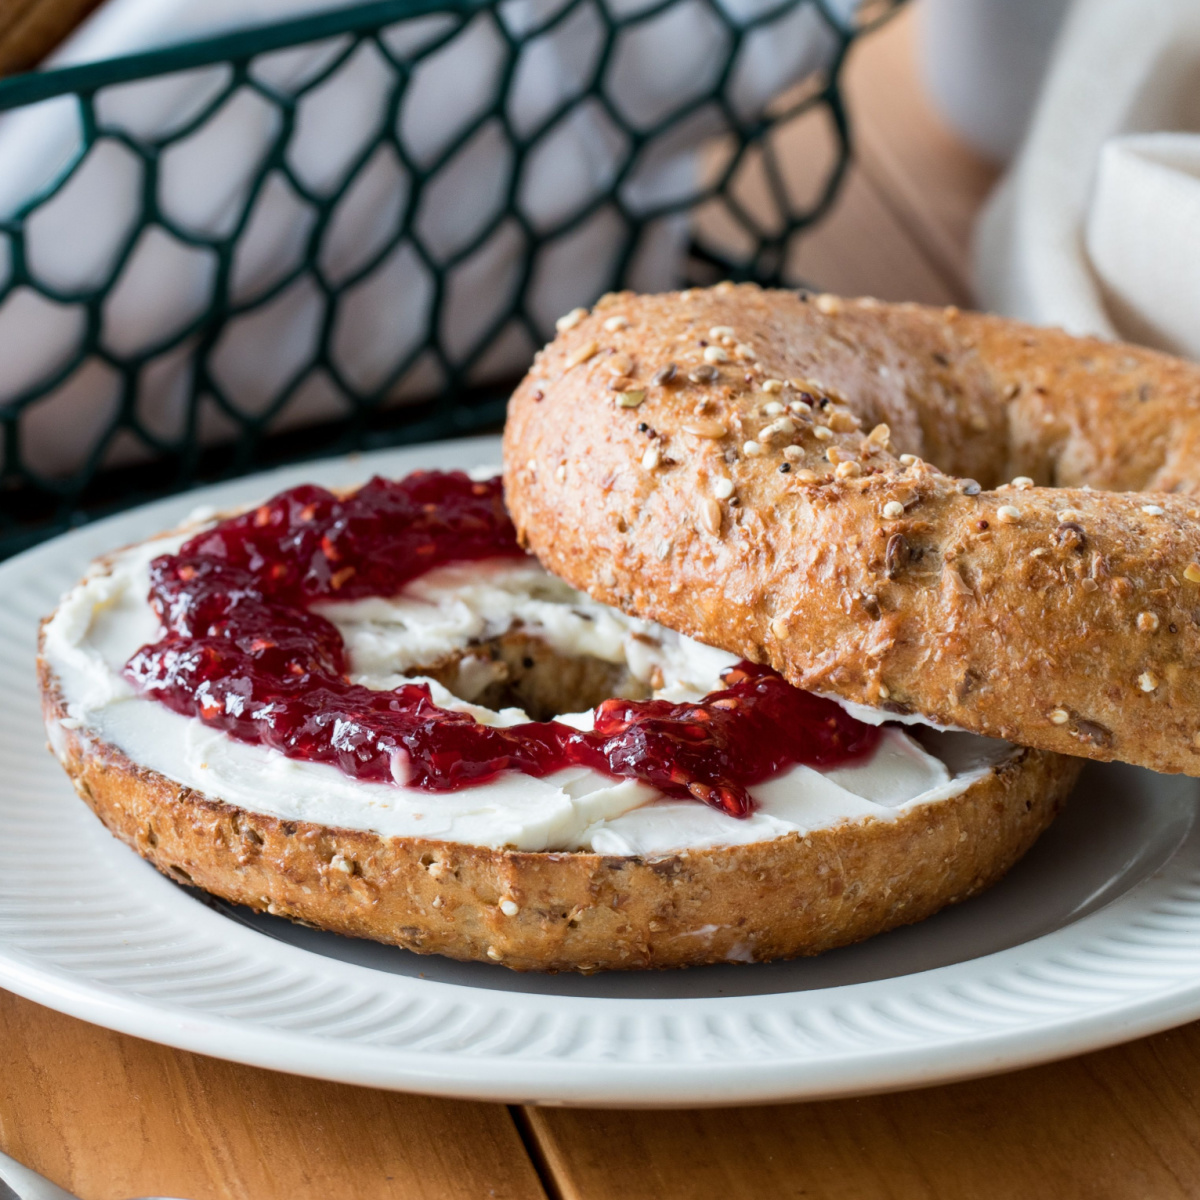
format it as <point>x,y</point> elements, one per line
<point>828,304</point>
<point>618,364</point>
<point>717,332</point>
<point>907,460</point>
<point>570,320</point>
<point>493,953</point>
<point>799,408</point>
<point>1148,681</point>
<point>823,433</point>
<point>1007,513</point>
<point>772,385</point>
<point>773,408</point>
<point>1022,482</point>
<point>745,353</point>
<point>892,510</point>
<point>620,383</point>
<point>651,458</point>
<point>1147,622</point>
<point>631,399</point>
<point>615,323</point>
<point>722,487</point>
<point>531,466</point>
<point>847,470</point>
<point>663,375</point>
<point>714,354</point>
<point>1070,514</point>
<point>833,455</point>
<point>753,449</point>
<point>806,476</point>
<point>1060,716</point>
<point>793,453</point>
<point>785,426</point>
<point>779,629</point>
<point>706,429</point>
<point>509,907</point>
<point>703,374</point>
<point>710,515</point>
<point>582,354</point>
<point>561,473</point>
<point>1152,510</point>
<point>884,692</point>
<point>1192,572</point>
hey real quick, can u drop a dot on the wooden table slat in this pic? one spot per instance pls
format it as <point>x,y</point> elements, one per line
<point>1121,1124</point>
<point>109,1116</point>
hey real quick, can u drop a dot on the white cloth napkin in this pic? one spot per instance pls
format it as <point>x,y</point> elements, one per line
<point>1096,227</point>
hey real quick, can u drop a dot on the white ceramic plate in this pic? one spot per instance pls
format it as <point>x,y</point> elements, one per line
<point>1093,939</point>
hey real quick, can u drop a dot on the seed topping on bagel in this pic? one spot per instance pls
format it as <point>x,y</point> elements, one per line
<point>979,522</point>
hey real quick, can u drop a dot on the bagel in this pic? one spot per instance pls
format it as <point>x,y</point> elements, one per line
<point>936,513</point>
<point>531,873</point>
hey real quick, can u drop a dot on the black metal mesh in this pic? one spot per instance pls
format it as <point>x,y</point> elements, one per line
<point>410,328</point>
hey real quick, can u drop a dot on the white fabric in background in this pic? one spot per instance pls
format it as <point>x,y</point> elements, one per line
<point>1096,227</point>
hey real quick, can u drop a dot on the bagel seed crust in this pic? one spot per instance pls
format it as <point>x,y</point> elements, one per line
<point>1048,487</point>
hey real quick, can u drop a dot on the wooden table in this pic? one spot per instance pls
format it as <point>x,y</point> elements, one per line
<point>111,1116</point>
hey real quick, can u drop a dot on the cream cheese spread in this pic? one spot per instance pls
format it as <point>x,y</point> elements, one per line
<point>102,621</point>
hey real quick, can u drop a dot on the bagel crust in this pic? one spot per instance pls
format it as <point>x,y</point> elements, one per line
<point>651,460</point>
<point>574,911</point>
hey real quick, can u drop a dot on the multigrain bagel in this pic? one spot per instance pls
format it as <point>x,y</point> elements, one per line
<point>575,911</point>
<point>264,830</point>
<point>662,455</point>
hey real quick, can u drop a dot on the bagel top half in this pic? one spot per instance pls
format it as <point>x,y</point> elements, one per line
<point>992,526</point>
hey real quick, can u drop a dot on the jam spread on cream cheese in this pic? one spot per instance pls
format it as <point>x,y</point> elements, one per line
<point>242,652</point>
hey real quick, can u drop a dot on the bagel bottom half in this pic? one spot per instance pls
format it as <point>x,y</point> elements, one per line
<point>577,911</point>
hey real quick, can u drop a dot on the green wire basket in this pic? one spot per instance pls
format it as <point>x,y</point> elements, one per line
<point>617,151</point>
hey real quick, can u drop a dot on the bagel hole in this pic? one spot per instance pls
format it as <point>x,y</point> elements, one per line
<point>519,670</point>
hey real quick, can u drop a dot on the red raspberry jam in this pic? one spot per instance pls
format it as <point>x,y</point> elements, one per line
<point>243,653</point>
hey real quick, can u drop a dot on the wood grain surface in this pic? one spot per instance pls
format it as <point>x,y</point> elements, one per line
<point>110,1116</point>
<point>31,29</point>
<point>931,184</point>
<point>1121,1124</point>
